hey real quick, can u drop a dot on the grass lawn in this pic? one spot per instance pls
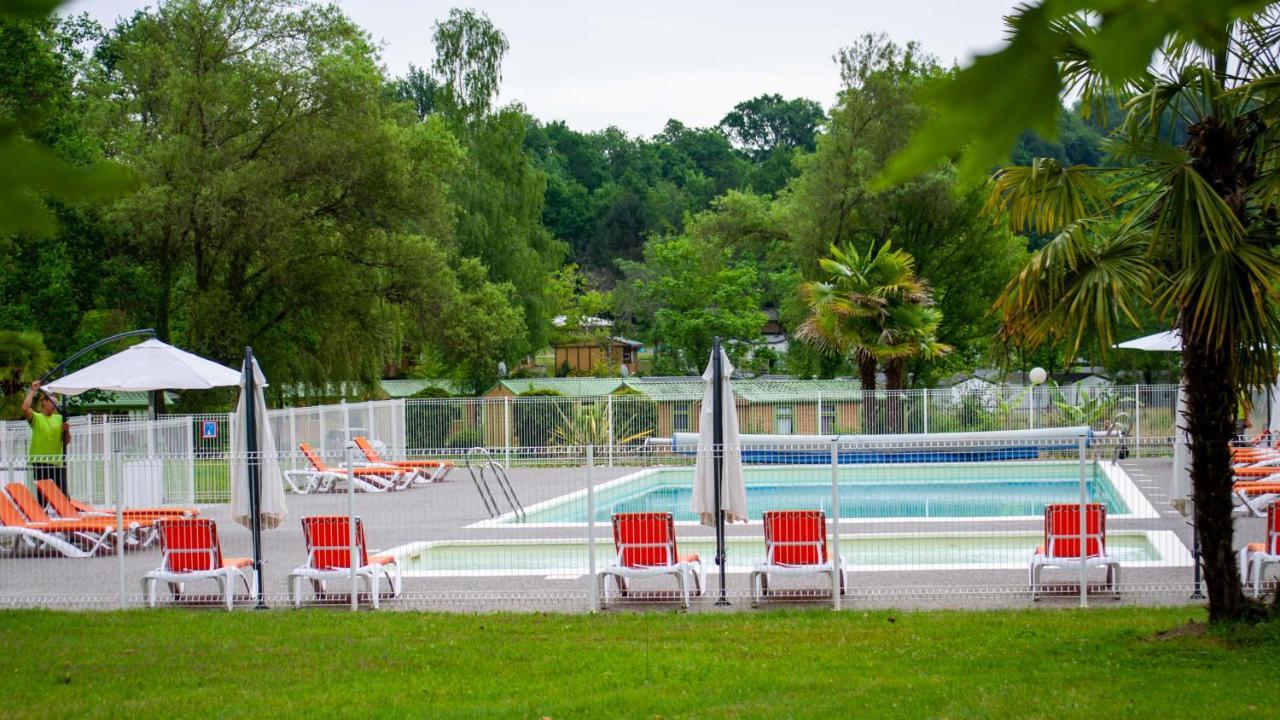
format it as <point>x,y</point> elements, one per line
<point>1131,662</point>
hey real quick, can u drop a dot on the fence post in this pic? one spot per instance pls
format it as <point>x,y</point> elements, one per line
<point>351,530</point>
<point>118,491</point>
<point>1084,526</point>
<point>924,392</point>
<point>835,526</point>
<point>611,435</point>
<point>401,436</point>
<point>293,436</point>
<point>594,593</point>
<point>817,418</point>
<point>191,458</point>
<point>506,430</point>
<point>1137,418</point>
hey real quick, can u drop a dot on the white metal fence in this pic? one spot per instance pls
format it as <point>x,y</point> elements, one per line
<point>929,522</point>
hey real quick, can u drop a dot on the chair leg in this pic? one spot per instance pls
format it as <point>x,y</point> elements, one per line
<point>149,590</point>
<point>1256,571</point>
<point>373,588</point>
<point>227,589</point>
<point>1035,582</point>
<point>1244,566</point>
<point>682,577</point>
<point>294,590</point>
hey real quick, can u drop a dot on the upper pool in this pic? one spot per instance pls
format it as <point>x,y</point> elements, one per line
<point>968,490</point>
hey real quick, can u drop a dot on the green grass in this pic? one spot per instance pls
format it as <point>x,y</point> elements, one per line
<point>1045,663</point>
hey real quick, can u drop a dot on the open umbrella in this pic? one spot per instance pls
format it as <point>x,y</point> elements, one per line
<point>1170,341</point>
<point>719,493</point>
<point>149,365</point>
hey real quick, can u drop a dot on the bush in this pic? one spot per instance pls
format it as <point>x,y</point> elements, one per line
<point>533,421</point>
<point>634,413</point>
<point>465,439</point>
<point>429,424</point>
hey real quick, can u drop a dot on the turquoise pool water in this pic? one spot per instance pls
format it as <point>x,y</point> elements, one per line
<point>892,491</point>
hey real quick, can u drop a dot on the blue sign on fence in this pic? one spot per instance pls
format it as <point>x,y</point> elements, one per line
<point>209,429</point>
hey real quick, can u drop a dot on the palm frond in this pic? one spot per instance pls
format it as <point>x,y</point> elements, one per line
<point>1045,196</point>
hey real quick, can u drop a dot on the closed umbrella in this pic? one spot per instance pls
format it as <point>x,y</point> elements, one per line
<point>719,494</point>
<point>271,510</point>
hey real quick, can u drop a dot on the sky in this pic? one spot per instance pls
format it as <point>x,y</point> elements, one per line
<point>635,65</point>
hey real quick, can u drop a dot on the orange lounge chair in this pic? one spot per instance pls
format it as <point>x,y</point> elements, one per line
<point>329,558</point>
<point>1256,495</point>
<point>70,509</point>
<point>795,543</point>
<point>440,468</point>
<point>192,552</point>
<point>95,531</point>
<point>325,478</point>
<point>646,546</point>
<point>1061,548</point>
<point>1255,557</point>
<point>51,535</point>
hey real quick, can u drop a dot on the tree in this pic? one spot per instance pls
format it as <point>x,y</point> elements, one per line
<point>23,357</point>
<point>873,310</point>
<point>766,123</point>
<point>469,52</point>
<point>1188,230</point>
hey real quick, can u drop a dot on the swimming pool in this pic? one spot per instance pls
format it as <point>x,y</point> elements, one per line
<point>863,552</point>
<point>926,491</point>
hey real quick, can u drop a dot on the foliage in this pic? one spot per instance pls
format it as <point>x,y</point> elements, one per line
<point>430,424</point>
<point>533,420</point>
<point>23,358</point>
<point>469,52</point>
<point>583,424</point>
<point>1187,231</point>
<point>633,409</point>
<point>465,439</point>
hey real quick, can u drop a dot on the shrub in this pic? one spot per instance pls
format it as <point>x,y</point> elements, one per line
<point>466,439</point>
<point>429,424</point>
<point>534,420</point>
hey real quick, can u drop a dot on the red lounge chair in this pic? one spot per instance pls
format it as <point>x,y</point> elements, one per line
<point>50,535</point>
<point>440,468</point>
<point>646,546</point>
<point>1255,557</point>
<point>1061,548</point>
<point>329,558</point>
<point>70,509</point>
<point>795,543</point>
<point>97,532</point>
<point>324,478</point>
<point>192,552</point>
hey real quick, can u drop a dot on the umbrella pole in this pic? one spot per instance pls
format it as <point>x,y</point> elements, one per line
<point>717,395</point>
<point>252,466</point>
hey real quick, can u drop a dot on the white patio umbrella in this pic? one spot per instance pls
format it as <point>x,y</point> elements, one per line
<point>149,365</point>
<point>733,493</point>
<point>1171,341</point>
<point>271,508</point>
<point>1167,341</point>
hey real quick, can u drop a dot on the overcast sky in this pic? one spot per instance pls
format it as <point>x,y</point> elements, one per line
<point>634,65</point>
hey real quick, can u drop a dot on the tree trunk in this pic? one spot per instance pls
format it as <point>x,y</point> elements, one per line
<point>895,377</point>
<point>1208,366</point>
<point>867,374</point>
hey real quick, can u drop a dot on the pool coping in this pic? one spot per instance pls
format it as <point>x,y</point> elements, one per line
<point>1139,507</point>
<point>1173,552</point>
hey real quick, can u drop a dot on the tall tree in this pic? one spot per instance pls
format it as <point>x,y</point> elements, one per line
<point>469,52</point>
<point>1188,230</point>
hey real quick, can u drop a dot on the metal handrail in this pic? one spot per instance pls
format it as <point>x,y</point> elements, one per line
<point>479,479</point>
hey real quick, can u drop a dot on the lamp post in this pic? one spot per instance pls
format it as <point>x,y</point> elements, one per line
<point>1037,376</point>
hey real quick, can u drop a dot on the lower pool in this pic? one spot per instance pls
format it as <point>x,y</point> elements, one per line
<point>956,490</point>
<point>862,552</point>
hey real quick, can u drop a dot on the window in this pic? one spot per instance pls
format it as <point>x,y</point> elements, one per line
<point>828,420</point>
<point>782,419</point>
<point>680,417</point>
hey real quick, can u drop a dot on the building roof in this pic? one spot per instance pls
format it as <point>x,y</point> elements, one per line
<point>571,386</point>
<point>123,400</point>
<point>765,389</point>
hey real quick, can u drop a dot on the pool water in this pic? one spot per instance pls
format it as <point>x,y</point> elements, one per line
<point>861,552</point>
<point>926,491</point>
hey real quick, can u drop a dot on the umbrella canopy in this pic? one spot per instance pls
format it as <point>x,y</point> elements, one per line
<point>733,495</point>
<point>271,508</point>
<point>149,365</point>
<point>1167,341</point>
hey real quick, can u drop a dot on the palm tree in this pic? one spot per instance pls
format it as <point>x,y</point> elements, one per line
<point>23,356</point>
<point>872,309</point>
<point>1188,229</point>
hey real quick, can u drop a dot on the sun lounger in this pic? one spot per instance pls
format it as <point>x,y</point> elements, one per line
<point>795,543</point>
<point>55,537</point>
<point>329,558</point>
<point>1255,557</point>
<point>1061,548</point>
<point>1255,495</point>
<point>646,546</point>
<point>96,532</point>
<point>191,551</point>
<point>439,468</point>
<point>67,508</point>
<point>366,478</point>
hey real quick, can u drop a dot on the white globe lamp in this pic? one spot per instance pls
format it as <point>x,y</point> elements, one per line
<point>1038,376</point>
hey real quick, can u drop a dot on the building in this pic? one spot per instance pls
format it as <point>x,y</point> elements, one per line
<point>585,354</point>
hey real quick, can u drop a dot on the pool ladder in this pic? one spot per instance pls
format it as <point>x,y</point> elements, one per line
<point>484,468</point>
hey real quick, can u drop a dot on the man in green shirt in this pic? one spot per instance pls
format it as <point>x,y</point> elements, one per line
<point>50,436</point>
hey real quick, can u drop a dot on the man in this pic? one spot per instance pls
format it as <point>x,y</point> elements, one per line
<point>50,435</point>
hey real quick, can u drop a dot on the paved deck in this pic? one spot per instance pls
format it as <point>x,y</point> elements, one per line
<point>444,511</point>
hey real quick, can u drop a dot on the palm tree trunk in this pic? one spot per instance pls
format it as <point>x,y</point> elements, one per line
<point>895,377</point>
<point>867,375</point>
<point>1210,373</point>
